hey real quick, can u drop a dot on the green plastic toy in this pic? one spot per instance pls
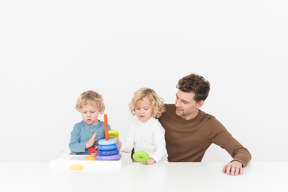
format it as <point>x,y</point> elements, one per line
<point>140,156</point>
<point>113,133</point>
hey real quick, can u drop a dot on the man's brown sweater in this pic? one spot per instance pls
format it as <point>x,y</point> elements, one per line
<point>188,140</point>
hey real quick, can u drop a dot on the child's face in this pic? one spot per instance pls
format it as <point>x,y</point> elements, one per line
<point>90,114</point>
<point>143,110</point>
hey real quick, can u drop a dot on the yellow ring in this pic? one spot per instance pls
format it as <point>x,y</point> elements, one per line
<point>113,133</point>
<point>76,167</point>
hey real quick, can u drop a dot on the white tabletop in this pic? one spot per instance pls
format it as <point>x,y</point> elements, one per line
<point>137,178</point>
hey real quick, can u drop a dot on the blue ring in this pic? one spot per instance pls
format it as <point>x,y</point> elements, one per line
<point>109,158</point>
<point>107,142</point>
<point>107,147</point>
<point>106,153</point>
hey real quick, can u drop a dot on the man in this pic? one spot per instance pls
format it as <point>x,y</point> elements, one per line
<point>189,131</point>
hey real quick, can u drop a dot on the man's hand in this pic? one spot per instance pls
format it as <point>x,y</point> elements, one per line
<point>233,168</point>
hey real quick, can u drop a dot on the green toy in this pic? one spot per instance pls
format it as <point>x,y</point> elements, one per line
<point>113,133</point>
<point>140,156</point>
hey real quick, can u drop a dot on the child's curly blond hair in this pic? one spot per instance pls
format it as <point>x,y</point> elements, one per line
<point>90,98</point>
<point>157,103</point>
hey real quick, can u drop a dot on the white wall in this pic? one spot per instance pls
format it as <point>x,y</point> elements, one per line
<point>52,51</point>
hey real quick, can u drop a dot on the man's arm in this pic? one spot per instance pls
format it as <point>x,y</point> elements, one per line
<point>241,156</point>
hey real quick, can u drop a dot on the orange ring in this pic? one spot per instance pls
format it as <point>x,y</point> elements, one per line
<point>90,158</point>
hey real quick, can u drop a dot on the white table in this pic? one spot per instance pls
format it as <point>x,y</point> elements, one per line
<point>176,177</point>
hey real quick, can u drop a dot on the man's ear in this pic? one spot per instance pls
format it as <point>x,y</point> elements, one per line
<point>200,104</point>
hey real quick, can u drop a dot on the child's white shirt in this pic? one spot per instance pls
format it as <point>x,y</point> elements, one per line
<point>146,136</point>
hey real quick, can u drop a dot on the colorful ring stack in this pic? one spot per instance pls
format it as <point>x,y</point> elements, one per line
<point>107,150</point>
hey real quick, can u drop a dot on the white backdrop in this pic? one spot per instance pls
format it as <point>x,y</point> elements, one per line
<point>52,51</point>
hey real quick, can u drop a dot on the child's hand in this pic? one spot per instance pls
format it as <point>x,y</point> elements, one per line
<point>150,161</point>
<point>91,141</point>
<point>94,154</point>
<point>119,144</point>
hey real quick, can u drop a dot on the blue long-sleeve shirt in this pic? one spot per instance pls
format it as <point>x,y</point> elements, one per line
<point>82,132</point>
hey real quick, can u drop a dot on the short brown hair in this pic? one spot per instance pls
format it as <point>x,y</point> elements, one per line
<point>195,83</point>
<point>90,98</point>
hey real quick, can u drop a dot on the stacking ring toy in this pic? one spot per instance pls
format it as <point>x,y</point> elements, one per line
<point>107,142</point>
<point>76,167</point>
<point>110,152</point>
<point>90,158</point>
<point>113,133</point>
<point>140,156</point>
<point>109,158</point>
<point>107,147</point>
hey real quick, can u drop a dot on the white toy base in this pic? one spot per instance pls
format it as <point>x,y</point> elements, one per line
<point>66,159</point>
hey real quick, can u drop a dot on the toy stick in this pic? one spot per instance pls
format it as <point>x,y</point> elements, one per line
<point>106,127</point>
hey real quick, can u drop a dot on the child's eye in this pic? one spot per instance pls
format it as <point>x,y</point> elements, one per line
<point>138,108</point>
<point>146,109</point>
<point>84,112</point>
<point>92,111</point>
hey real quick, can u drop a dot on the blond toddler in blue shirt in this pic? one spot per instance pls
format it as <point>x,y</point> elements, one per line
<point>90,130</point>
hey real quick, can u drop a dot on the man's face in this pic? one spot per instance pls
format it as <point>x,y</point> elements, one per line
<point>186,106</point>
